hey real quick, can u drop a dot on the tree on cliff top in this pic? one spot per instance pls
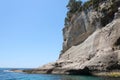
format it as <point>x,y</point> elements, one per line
<point>73,7</point>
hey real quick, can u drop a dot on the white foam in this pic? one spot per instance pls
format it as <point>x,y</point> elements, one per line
<point>7,71</point>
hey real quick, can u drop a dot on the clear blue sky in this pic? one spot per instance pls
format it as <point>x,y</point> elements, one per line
<point>31,31</point>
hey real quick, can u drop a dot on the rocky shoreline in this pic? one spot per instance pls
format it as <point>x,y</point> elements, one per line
<point>91,44</point>
<point>115,73</point>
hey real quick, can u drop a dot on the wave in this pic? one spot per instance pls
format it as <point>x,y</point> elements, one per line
<point>7,71</point>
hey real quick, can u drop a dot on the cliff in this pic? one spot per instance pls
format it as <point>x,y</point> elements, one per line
<point>84,23</point>
<point>91,42</point>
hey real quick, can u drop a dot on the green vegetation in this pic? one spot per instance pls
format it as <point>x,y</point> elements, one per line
<point>76,6</point>
<point>107,74</point>
<point>87,4</point>
<point>114,74</point>
<point>92,3</point>
<point>73,7</point>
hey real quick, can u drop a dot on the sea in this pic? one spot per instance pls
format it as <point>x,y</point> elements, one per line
<point>6,74</point>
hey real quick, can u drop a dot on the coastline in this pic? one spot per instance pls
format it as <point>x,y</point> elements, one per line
<point>17,70</point>
<point>107,74</point>
<point>96,54</point>
<point>114,73</point>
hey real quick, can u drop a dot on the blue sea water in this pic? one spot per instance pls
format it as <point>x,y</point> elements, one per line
<point>5,74</point>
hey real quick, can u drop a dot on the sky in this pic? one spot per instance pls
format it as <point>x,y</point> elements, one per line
<point>30,32</point>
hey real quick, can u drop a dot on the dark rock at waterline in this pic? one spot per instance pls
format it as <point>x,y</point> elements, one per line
<point>91,42</point>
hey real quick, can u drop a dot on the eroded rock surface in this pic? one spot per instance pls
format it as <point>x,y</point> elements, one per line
<point>84,23</point>
<point>91,42</point>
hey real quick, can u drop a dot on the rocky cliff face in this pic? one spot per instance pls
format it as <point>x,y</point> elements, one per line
<point>91,42</point>
<point>100,51</point>
<point>84,23</point>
